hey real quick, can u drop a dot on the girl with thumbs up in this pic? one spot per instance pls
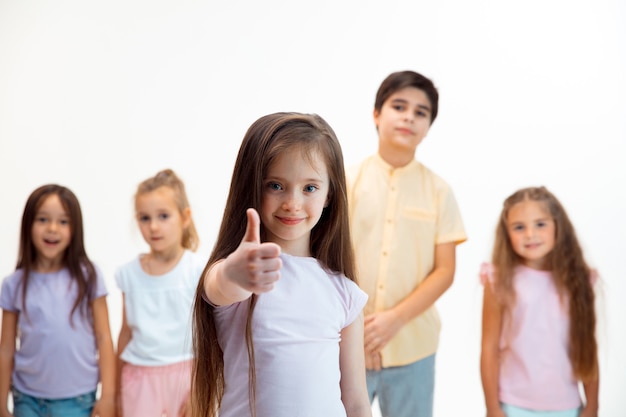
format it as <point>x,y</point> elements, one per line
<point>278,325</point>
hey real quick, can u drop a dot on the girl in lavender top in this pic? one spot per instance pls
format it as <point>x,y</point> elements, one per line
<point>56,342</point>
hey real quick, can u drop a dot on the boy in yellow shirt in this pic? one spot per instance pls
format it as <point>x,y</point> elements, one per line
<point>406,225</point>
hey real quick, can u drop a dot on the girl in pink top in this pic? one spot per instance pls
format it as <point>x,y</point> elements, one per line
<point>539,321</point>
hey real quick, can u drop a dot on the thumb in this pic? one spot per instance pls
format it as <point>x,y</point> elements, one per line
<point>253,229</point>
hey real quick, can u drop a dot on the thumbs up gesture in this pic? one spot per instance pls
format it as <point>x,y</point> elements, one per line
<point>253,266</point>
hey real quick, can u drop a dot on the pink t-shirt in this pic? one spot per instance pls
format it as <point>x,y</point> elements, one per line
<point>296,330</point>
<point>535,369</point>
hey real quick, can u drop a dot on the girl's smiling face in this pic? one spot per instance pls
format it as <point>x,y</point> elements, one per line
<point>51,234</point>
<point>160,221</point>
<point>532,232</point>
<point>295,192</point>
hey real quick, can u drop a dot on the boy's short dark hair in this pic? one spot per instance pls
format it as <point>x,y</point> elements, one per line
<point>402,79</point>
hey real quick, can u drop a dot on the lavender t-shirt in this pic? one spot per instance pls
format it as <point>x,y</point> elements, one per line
<point>56,358</point>
<point>296,329</point>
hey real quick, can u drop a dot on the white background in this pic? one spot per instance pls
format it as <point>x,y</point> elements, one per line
<point>98,96</point>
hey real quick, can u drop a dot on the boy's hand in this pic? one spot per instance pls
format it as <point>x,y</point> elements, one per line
<point>254,266</point>
<point>380,328</point>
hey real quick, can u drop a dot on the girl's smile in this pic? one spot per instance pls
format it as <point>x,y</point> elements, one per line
<point>51,234</point>
<point>532,232</point>
<point>294,196</point>
<point>290,221</point>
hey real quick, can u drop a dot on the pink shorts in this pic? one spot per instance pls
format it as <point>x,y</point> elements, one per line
<point>155,391</point>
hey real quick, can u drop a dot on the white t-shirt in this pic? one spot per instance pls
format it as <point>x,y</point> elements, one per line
<point>296,331</point>
<point>158,311</point>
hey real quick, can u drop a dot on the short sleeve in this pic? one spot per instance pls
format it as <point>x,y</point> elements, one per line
<point>486,273</point>
<point>8,293</point>
<point>450,224</point>
<point>358,298</point>
<point>100,290</point>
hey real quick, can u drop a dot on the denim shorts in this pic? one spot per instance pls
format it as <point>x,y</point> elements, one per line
<point>404,391</point>
<point>512,411</point>
<point>26,406</point>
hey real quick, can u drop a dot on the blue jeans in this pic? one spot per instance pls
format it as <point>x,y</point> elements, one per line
<point>512,411</point>
<point>404,391</point>
<point>26,406</point>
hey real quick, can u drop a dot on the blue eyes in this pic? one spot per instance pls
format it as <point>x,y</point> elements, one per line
<point>274,186</point>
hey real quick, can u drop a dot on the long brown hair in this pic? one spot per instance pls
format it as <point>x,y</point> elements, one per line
<point>570,272</point>
<point>75,257</point>
<point>265,140</point>
<point>167,178</point>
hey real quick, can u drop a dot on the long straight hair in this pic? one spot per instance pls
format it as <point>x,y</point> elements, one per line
<point>266,139</point>
<point>571,274</point>
<point>75,258</point>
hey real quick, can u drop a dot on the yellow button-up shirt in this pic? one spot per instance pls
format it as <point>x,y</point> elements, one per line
<point>397,217</point>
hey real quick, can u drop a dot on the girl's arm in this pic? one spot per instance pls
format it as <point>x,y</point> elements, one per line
<point>252,268</point>
<point>105,405</point>
<point>122,341</point>
<point>381,327</point>
<point>7,353</point>
<point>490,352</point>
<point>352,365</point>
<point>591,398</point>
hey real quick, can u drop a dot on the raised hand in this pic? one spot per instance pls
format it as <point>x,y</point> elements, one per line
<point>254,266</point>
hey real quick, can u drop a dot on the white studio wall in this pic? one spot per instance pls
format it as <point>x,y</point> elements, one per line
<point>98,96</point>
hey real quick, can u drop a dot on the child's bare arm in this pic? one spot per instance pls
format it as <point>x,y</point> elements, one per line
<point>382,326</point>
<point>489,356</point>
<point>352,364</point>
<point>105,405</point>
<point>591,398</point>
<point>7,353</point>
